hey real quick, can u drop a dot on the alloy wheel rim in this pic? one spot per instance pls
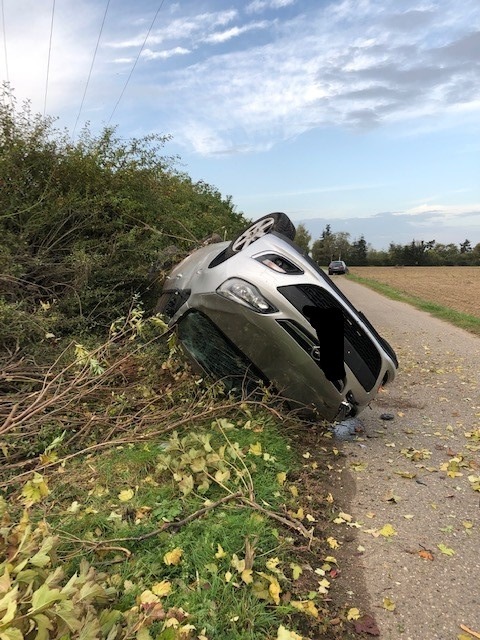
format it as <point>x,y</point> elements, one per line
<point>253,233</point>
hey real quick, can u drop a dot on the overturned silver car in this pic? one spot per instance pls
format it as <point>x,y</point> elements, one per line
<point>258,310</point>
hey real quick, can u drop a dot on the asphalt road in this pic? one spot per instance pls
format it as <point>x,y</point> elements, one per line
<point>420,577</point>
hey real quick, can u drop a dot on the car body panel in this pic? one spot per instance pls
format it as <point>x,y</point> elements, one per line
<point>282,344</point>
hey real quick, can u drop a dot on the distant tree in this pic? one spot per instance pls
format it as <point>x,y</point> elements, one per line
<point>342,246</point>
<point>475,255</point>
<point>358,252</point>
<point>416,253</point>
<point>465,247</point>
<point>303,238</point>
<point>323,248</point>
<point>378,258</point>
<point>445,255</point>
<point>395,253</point>
<point>331,246</point>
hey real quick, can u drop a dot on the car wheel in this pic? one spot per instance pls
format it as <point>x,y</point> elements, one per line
<point>277,221</point>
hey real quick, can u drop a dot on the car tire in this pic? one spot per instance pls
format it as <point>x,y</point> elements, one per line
<point>276,221</point>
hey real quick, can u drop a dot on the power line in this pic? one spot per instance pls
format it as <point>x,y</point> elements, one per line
<point>5,42</point>
<point>48,63</point>
<point>135,63</point>
<point>91,67</point>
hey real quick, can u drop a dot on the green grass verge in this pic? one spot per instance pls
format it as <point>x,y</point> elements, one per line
<point>113,514</point>
<point>462,320</point>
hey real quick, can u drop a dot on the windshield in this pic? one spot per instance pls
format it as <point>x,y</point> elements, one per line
<point>217,355</point>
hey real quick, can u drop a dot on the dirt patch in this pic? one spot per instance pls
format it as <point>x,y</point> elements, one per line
<point>457,288</point>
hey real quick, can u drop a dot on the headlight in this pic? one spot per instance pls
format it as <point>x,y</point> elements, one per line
<point>245,293</point>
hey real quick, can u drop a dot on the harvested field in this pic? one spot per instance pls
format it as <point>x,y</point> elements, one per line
<point>456,288</point>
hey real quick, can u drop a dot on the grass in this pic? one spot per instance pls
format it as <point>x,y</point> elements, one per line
<point>462,320</point>
<point>120,532</point>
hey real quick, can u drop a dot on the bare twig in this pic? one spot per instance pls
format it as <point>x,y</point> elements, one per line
<point>291,523</point>
<point>464,627</point>
<point>177,524</point>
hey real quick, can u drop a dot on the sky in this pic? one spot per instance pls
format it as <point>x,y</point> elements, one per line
<point>361,114</point>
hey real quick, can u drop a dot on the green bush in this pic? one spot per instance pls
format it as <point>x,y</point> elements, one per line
<point>83,225</point>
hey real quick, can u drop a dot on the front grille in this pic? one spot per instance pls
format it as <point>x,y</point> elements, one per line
<point>361,355</point>
<point>308,344</point>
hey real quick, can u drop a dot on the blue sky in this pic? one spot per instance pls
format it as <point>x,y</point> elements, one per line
<point>361,113</point>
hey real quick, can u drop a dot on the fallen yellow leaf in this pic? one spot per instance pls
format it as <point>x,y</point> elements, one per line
<point>173,557</point>
<point>256,449</point>
<point>296,570</point>
<point>272,565</point>
<point>306,606</point>
<point>388,604</point>
<point>238,564</point>
<point>299,515</point>
<point>247,576</point>
<point>275,590</point>
<point>125,495</point>
<point>163,588</point>
<point>387,531</point>
<point>333,544</point>
<point>353,614</point>
<point>345,516</point>
<point>284,634</point>
<point>446,550</point>
<point>148,597</point>
<point>406,474</point>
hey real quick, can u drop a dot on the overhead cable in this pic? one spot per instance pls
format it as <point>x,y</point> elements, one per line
<point>5,43</point>
<point>48,62</point>
<point>135,63</point>
<point>91,68</point>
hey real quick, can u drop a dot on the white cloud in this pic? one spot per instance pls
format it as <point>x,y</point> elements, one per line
<point>179,29</point>
<point>446,211</point>
<point>354,64</point>
<point>224,36</point>
<point>148,54</point>
<point>258,6</point>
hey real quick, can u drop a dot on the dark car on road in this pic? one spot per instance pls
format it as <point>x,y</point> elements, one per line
<point>337,267</point>
<point>258,311</point>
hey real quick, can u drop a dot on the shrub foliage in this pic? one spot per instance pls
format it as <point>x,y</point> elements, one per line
<point>84,224</point>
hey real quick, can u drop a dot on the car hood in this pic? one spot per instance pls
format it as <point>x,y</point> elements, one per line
<point>182,274</point>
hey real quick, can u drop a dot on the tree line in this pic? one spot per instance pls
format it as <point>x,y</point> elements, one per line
<point>358,252</point>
